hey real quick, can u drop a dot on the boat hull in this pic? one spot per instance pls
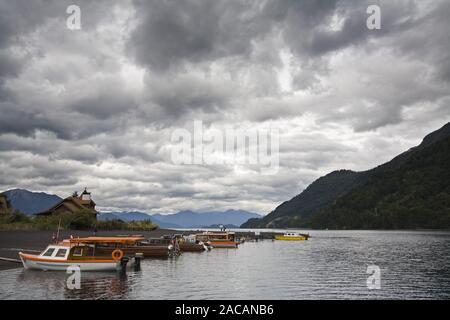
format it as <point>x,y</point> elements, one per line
<point>147,251</point>
<point>36,263</point>
<point>187,247</point>
<point>285,238</point>
<point>223,244</point>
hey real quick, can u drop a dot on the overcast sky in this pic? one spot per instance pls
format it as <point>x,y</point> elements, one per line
<point>96,107</point>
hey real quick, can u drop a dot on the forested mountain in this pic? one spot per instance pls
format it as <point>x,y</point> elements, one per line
<point>29,202</point>
<point>410,191</point>
<point>414,195</point>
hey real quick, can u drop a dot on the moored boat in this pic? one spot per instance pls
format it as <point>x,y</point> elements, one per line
<point>130,246</point>
<point>218,239</point>
<point>80,252</point>
<point>292,236</point>
<point>185,243</point>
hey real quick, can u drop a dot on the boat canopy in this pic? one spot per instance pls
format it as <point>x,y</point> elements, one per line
<point>216,233</point>
<point>123,240</point>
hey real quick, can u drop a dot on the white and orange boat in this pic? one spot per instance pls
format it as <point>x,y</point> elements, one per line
<point>218,239</point>
<point>80,252</point>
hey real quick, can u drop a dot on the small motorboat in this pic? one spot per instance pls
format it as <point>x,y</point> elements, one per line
<point>292,236</point>
<point>82,253</point>
<point>217,239</point>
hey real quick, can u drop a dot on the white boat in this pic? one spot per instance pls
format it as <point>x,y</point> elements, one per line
<point>77,252</point>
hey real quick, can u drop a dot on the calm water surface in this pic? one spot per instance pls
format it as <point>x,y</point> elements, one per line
<point>331,265</point>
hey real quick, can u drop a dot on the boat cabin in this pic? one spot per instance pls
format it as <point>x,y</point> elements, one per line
<point>291,234</point>
<point>57,252</point>
<point>215,236</point>
<point>86,248</point>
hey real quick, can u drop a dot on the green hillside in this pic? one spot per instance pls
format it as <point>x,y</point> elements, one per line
<point>316,196</point>
<point>410,191</point>
<point>415,195</point>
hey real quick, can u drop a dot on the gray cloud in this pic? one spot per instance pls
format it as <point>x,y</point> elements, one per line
<point>172,33</point>
<point>97,107</point>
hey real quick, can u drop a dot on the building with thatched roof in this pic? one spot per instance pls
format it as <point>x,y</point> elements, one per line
<point>73,204</point>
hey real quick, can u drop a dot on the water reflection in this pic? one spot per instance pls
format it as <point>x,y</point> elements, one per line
<point>94,285</point>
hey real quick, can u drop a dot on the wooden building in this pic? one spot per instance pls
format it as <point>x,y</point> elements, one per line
<point>73,204</point>
<point>4,204</point>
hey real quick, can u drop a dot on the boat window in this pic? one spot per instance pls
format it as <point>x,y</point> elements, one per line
<point>61,253</point>
<point>77,252</point>
<point>49,252</point>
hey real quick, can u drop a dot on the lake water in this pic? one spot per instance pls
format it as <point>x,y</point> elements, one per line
<point>331,265</point>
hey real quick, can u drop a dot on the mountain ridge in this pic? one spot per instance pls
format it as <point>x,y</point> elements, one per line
<point>185,218</point>
<point>326,190</point>
<point>30,202</point>
<point>192,219</point>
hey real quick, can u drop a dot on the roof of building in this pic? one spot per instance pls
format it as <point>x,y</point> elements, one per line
<point>73,204</point>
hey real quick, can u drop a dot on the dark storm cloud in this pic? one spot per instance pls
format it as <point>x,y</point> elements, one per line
<point>172,37</point>
<point>106,104</point>
<point>310,32</point>
<point>27,120</point>
<point>25,123</point>
<point>21,23</point>
<point>9,64</point>
<point>177,96</point>
<point>173,33</point>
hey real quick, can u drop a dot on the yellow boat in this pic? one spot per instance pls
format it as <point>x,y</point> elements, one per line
<point>292,236</point>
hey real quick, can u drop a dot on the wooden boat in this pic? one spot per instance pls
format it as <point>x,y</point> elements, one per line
<point>218,239</point>
<point>136,244</point>
<point>185,243</point>
<point>80,252</point>
<point>292,236</point>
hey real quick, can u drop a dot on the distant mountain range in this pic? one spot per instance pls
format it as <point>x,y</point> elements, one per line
<point>134,216</point>
<point>187,218</point>
<point>410,191</point>
<point>29,202</point>
<point>190,219</point>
